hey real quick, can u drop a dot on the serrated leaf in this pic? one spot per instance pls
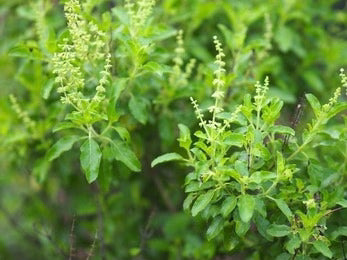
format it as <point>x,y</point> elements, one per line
<point>166,158</point>
<point>90,159</point>
<point>322,248</point>
<point>123,153</point>
<point>246,205</point>
<point>228,205</point>
<point>278,230</point>
<point>62,145</point>
<point>201,202</point>
<point>215,228</point>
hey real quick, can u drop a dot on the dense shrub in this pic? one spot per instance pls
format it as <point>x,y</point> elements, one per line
<point>114,114</point>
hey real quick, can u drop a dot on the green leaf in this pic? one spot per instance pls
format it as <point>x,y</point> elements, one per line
<point>116,89</point>
<point>284,37</point>
<point>313,80</point>
<point>262,225</point>
<point>228,205</point>
<point>90,159</point>
<point>201,202</point>
<point>28,52</point>
<point>241,168</point>
<point>261,176</point>
<point>342,203</point>
<point>282,205</point>
<point>50,41</point>
<point>322,248</point>
<point>280,163</point>
<point>139,108</point>
<point>122,152</point>
<point>123,133</point>
<point>241,228</point>
<point>281,130</point>
<point>188,201</point>
<point>246,205</point>
<point>40,169</point>
<point>47,88</point>
<point>234,139</point>
<point>166,158</point>
<point>185,139</point>
<point>63,125</point>
<point>337,108</point>
<point>314,102</point>
<point>215,228</point>
<point>155,67</point>
<point>278,230</point>
<point>340,231</point>
<point>64,144</point>
<point>293,243</point>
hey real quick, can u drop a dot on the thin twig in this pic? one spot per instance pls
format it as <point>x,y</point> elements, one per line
<point>72,238</point>
<point>101,223</point>
<point>92,248</point>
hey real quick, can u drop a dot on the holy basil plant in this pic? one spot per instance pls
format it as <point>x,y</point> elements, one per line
<point>253,177</point>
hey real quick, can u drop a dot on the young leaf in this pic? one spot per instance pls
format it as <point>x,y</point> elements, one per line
<point>166,158</point>
<point>246,205</point>
<point>314,102</point>
<point>201,202</point>
<point>322,248</point>
<point>90,159</point>
<point>280,163</point>
<point>64,144</point>
<point>215,228</point>
<point>278,230</point>
<point>185,139</point>
<point>122,152</point>
<point>228,205</point>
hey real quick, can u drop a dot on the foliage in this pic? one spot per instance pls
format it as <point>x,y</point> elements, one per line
<point>92,92</point>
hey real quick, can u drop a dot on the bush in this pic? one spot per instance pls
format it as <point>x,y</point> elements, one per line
<point>93,92</point>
